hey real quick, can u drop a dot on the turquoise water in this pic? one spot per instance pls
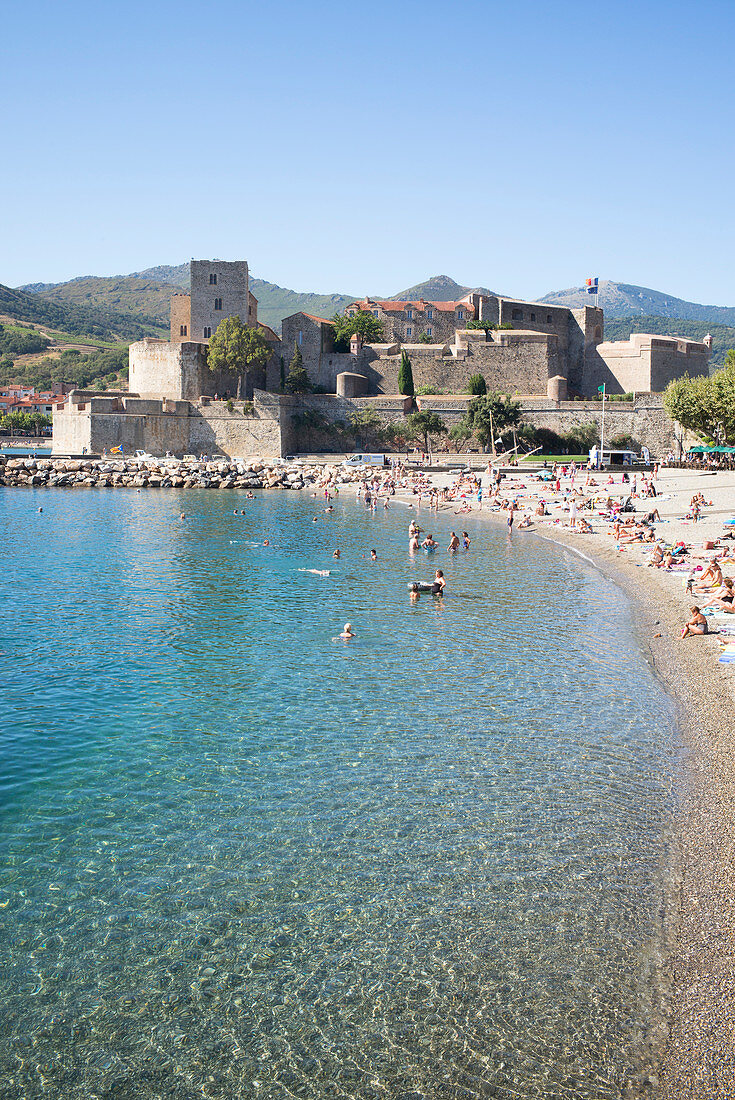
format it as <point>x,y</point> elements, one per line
<point>242,858</point>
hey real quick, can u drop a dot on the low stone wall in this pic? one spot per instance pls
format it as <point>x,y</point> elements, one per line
<point>644,419</point>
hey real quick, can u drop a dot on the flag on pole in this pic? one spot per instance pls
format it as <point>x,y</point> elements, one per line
<point>601,389</point>
<point>592,285</point>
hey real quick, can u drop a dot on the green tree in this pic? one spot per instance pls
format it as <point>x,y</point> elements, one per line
<point>283,373</point>
<point>477,385</point>
<point>459,434</point>
<point>297,380</point>
<point>691,402</point>
<point>364,323</point>
<point>236,348</point>
<point>366,424</point>
<point>405,376</point>
<point>490,414</point>
<point>421,425</point>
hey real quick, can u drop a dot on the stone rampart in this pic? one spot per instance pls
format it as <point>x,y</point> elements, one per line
<point>97,423</point>
<point>644,419</point>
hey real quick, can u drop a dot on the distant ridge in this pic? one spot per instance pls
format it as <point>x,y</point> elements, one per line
<point>144,296</point>
<point>627,300</point>
<point>439,288</point>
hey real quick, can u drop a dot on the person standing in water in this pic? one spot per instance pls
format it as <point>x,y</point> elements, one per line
<point>453,544</point>
<point>439,584</point>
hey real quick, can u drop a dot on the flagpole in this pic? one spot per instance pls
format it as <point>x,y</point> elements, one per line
<point>602,427</point>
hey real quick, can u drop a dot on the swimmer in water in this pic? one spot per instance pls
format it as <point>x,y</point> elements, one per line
<point>329,509</point>
<point>439,584</point>
<point>348,632</point>
<point>413,544</point>
<point>40,509</point>
<point>415,592</point>
<point>453,544</point>
<point>266,542</point>
<point>373,556</point>
<point>429,543</point>
<point>183,515</point>
<point>465,541</point>
<point>336,553</point>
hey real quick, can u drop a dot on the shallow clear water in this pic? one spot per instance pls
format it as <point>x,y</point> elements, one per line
<point>241,858</point>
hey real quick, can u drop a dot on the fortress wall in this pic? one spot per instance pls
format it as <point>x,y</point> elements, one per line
<point>162,369</point>
<point>213,429</point>
<point>516,365</point>
<point>644,419</point>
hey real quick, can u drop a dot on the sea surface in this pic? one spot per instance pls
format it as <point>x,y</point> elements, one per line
<point>240,857</point>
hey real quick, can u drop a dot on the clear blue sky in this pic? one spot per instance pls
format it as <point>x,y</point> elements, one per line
<point>363,147</point>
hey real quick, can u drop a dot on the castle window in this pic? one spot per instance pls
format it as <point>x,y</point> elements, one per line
<point>548,318</point>
<point>213,280</point>
<point>409,314</point>
<point>207,333</point>
<point>375,313</point>
<point>460,315</point>
<point>218,303</point>
<point>182,330</point>
<point>301,337</point>
<point>430,315</point>
<point>409,330</point>
<point>533,316</point>
<point>517,315</point>
<point>429,330</point>
<point>598,332</point>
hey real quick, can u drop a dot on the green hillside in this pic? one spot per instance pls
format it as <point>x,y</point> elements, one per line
<point>73,318</point>
<point>146,296</point>
<point>144,299</point>
<point>723,336</point>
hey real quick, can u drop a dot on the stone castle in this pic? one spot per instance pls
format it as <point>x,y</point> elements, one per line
<point>530,349</point>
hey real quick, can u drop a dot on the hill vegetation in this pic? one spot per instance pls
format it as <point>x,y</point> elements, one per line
<point>106,368</point>
<point>723,336</point>
<point>72,318</point>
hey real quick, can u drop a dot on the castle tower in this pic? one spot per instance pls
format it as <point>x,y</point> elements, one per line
<point>218,289</point>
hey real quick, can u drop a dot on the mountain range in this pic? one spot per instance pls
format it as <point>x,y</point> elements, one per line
<point>146,294</point>
<point>122,308</point>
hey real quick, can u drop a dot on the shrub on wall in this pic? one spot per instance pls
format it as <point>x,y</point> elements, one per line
<point>477,385</point>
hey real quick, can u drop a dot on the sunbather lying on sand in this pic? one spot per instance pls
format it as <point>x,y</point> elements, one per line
<point>723,598</point>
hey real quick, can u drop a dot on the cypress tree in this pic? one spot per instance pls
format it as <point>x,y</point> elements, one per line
<point>405,376</point>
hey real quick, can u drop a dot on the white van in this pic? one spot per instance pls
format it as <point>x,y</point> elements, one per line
<point>617,457</point>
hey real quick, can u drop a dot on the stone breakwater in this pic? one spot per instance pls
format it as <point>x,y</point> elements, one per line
<point>161,474</point>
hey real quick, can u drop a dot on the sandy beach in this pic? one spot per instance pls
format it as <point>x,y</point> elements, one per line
<point>700,1052</point>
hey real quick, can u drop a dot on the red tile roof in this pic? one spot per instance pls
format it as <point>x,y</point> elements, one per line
<point>319,320</point>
